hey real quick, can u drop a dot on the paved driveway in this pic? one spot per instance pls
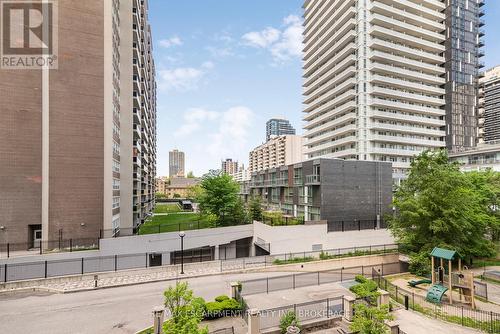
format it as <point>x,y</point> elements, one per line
<point>116,310</point>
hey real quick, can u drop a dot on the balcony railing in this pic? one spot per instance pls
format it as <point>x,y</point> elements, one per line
<point>313,179</point>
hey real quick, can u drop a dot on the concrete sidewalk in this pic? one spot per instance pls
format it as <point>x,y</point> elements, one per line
<point>414,323</point>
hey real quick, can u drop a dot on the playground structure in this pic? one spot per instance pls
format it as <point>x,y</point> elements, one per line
<point>444,279</point>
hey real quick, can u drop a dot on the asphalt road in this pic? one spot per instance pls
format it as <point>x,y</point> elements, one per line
<point>115,310</point>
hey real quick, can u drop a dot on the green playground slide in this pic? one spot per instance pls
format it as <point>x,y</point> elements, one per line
<point>436,293</point>
<point>414,283</point>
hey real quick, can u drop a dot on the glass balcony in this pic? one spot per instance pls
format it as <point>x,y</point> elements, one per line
<point>313,179</point>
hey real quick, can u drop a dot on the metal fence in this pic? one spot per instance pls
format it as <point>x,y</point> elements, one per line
<point>76,266</point>
<point>293,281</point>
<point>305,312</point>
<point>355,225</point>
<point>224,331</point>
<point>8,250</point>
<point>336,253</point>
<point>10,272</point>
<point>486,321</point>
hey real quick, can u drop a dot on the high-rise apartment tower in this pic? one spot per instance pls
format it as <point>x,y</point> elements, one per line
<point>229,166</point>
<point>278,127</point>
<point>176,163</point>
<point>79,141</point>
<point>489,106</point>
<point>375,78</point>
<point>463,53</point>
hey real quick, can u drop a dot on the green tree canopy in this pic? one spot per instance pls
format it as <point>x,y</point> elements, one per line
<point>440,206</point>
<point>185,310</point>
<point>255,208</point>
<point>370,320</point>
<point>190,175</point>
<point>219,197</point>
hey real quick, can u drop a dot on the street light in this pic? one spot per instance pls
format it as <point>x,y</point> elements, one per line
<point>182,234</point>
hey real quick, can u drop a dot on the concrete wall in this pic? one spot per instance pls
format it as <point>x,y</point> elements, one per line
<point>301,238</point>
<point>171,241</point>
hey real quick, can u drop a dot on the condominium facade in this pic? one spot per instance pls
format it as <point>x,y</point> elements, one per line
<point>484,156</point>
<point>346,194</point>
<point>229,166</point>
<point>278,151</point>
<point>278,127</point>
<point>374,79</point>
<point>489,106</point>
<point>463,62</point>
<point>176,164</point>
<point>69,133</point>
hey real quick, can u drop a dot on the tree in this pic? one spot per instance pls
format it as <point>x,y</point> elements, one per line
<point>176,195</point>
<point>160,195</point>
<point>370,320</point>
<point>255,208</point>
<point>186,311</point>
<point>439,206</point>
<point>190,175</point>
<point>219,197</point>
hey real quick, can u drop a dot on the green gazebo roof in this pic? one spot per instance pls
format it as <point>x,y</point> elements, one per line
<point>444,253</point>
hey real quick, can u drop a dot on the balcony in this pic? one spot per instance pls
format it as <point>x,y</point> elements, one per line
<point>335,24</point>
<point>297,181</point>
<point>313,179</point>
<point>406,62</point>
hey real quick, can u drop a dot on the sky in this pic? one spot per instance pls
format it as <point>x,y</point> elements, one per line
<point>224,67</point>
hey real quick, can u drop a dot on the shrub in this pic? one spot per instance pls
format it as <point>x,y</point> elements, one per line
<point>222,306</point>
<point>360,279</point>
<point>289,319</point>
<point>367,289</point>
<point>221,298</point>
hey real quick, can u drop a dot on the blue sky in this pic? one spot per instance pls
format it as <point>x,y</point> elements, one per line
<point>224,67</point>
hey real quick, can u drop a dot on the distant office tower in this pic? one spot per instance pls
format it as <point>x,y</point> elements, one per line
<point>229,166</point>
<point>463,53</point>
<point>489,106</point>
<point>276,152</point>
<point>278,127</point>
<point>78,138</point>
<point>375,75</point>
<point>176,163</point>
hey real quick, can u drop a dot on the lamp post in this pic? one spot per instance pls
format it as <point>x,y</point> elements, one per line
<point>182,234</point>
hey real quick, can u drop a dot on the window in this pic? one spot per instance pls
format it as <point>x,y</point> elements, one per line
<point>116,184</point>
<point>116,202</point>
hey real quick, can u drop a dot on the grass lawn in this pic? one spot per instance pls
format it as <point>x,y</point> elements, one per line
<point>173,222</point>
<point>167,208</point>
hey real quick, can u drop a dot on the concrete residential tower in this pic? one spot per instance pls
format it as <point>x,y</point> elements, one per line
<point>229,166</point>
<point>375,78</point>
<point>489,106</point>
<point>176,164</point>
<point>278,127</point>
<point>71,135</point>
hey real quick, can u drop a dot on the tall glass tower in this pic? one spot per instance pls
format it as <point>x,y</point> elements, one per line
<point>463,54</point>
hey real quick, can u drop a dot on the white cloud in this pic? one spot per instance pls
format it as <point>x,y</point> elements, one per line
<point>283,44</point>
<point>262,39</point>
<point>169,42</point>
<point>224,134</point>
<point>232,135</point>
<point>183,78</point>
